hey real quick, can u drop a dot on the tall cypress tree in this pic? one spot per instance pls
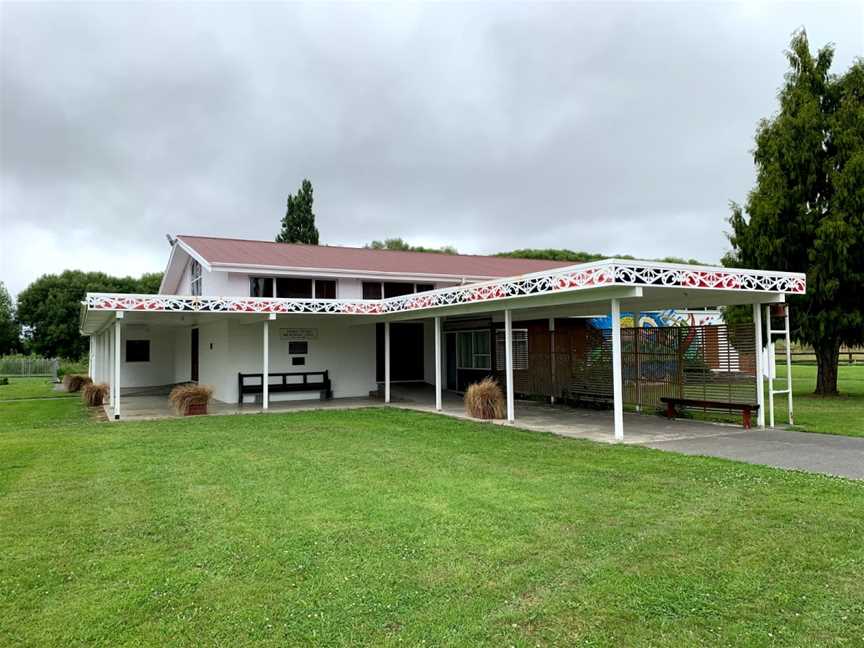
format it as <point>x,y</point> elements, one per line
<point>806,212</point>
<point>298,225</point>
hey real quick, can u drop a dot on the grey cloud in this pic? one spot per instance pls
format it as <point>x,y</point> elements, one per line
<point>616,128</point>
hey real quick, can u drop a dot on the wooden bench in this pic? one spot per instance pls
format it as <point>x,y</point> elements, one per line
<point>321,384</point>
<point>673,403</point>
<point>580,393</point>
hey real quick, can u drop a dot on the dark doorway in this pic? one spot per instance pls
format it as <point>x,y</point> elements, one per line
<point>406,351</point>
<point>194,362</point>
<point>452,374</point>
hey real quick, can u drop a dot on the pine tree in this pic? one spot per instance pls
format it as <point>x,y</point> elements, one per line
<point>298,225</point>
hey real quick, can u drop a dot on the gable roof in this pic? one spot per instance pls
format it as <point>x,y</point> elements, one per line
<point>241,253</point>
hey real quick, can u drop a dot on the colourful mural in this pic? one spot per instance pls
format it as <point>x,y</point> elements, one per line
<point>669,317</point>
<point>687,320</point>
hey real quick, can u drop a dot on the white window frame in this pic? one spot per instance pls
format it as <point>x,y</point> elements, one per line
<point>195,279</point>
<point>520,349</point>
<point>474,355</point>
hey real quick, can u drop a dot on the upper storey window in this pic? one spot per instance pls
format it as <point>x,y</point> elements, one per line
<point>378,289</point>
<point>195,281</point>
<point>292,288</point>
<point>260,287</point>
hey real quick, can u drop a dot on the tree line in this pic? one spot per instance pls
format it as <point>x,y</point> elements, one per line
<point>45,319</point>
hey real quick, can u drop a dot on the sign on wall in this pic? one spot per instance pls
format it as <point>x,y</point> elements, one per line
<point>294,334</point>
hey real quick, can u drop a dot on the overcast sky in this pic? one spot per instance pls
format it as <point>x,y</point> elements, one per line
<point>608,128</point>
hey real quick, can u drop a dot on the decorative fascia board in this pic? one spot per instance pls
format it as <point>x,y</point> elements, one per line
<point>575,278</point>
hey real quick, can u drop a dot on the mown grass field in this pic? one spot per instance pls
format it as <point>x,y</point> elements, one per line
<point>843,414</point>
<point>19,387</point>
<point>384,527</point>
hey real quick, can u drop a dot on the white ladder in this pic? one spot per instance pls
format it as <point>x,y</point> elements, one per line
<point>772,362</point>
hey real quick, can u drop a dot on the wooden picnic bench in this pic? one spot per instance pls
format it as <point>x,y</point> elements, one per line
<point>673,404</point>
<point>321,383</point>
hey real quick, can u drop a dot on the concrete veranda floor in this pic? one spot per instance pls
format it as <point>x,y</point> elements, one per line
<point>833,455</point>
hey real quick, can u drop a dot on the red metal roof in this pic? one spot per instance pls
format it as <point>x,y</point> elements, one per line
<point>290,255</point>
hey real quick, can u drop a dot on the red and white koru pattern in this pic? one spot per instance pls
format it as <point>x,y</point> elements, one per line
<point>575,278</point>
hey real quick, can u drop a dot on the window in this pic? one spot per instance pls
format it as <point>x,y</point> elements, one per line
<point>137,350</point>
<point>298,361</point>
<point>377,289</point>
<point>293,288</point>
<point>371,290</point>
<point>195,280</point>
<point>298,348</point>
<point>394,289</point>
<point>473,350</point>
<point>520,350</point>
<point>325,289</point>
<point>260,287</point>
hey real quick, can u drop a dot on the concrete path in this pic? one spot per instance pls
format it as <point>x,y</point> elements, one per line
<point>822,453</point>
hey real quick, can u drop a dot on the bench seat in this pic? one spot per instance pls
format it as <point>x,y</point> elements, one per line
<point>311,381</point>
<point>673,404</point>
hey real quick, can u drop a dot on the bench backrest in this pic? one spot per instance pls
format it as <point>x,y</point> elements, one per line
<point>323,380</point>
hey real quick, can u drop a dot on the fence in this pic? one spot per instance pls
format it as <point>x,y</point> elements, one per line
<point>845,357</point>
<point>27,366</point>
<point>702,362</point>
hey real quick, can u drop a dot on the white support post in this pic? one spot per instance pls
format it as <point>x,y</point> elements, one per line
<point>788,365</point>
<point>265,374</point>
<point>91,359</point>
<point>508,355</point>
<point>118,336</point>
<point>771,366</point>
<point>98,377</point>
<point>552,357</point>
<point>617,387</point>
<point>386,362</point>
<point>438,363</point>
<point>760,372</point>
<point>106,372</point>
<point>109,365</point>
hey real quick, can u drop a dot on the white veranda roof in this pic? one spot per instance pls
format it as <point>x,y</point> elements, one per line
<point>583,288</point>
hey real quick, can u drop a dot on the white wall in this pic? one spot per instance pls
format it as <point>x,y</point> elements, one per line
<point>349,289</point>
<point>346,351</point>
<point>215,362</point>
<point>224,284</point>
<point>160,369</point>
<point>184,286</point>
<point>182,355</point>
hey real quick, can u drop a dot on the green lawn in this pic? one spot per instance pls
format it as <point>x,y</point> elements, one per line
<point>384,527</point>
<point>30,388</point>
<point>842,414</point>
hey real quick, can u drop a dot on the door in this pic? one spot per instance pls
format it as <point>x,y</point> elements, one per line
<point>452,375</point>
<point>194,358</point>
<point>406,352</point>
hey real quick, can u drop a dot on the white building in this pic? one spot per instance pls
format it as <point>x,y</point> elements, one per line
<point>228,307</point>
